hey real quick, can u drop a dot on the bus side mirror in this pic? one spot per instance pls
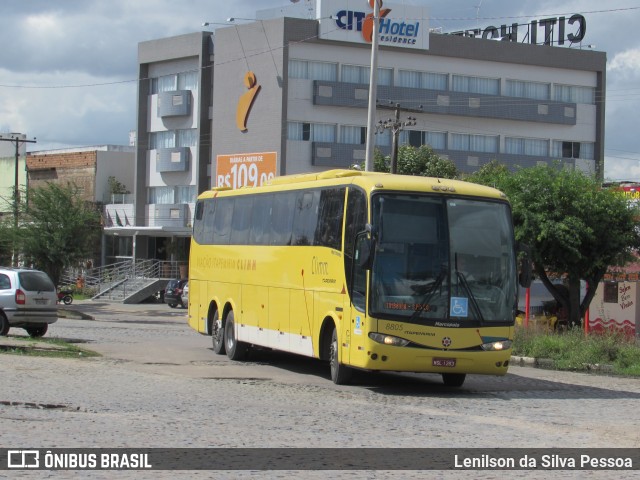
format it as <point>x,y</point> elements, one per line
<point>364,251</point>
<point>525,273</point>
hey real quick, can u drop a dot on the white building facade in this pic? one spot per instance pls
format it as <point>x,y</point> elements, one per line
<point>290,95</point>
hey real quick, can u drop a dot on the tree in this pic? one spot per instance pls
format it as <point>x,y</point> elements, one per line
<point>57,228</point>
<point>573,226</point>
<point>421,161</point>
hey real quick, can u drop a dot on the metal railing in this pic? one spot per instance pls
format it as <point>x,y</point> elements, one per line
<point>106,277</point>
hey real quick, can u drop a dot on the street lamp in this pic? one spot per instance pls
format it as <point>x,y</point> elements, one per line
<point>396,126</point>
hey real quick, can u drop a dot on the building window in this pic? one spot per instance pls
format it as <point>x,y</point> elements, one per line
<point>574,94</point>
<point>314,132</point>
<point>188,80</point>
<point>185,194</point>
<point>526,146</point>
<point>172,195</point>
<point>535,90</point>
<point>353,135</point>
<point>161,195</point>
<point>610,292</point>
<point>583,150</point>
<point>361,75</point>
<point>486,86</point>
<point>426,80</point>
<point>164,139</point>
<point>474,143</point>
<point>310,70</point>
<point>417,138</point>
<point>187,138</point>
<point>173,138</point>
<point>180,81</point>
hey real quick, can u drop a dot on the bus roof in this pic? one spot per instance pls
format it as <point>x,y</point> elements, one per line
<point>367,180</point>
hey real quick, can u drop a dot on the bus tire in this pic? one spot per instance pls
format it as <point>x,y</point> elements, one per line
<point>217,334</point>
<point>340,374</point>
<point>235,350</point>
<point>453,379</point>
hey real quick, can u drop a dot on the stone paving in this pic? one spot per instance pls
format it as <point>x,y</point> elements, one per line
<point>158,384</point>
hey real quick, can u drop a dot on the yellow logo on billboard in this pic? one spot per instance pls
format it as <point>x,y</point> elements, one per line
<point>246,101</point>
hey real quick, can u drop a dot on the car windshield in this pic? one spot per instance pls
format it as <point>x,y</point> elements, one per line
<point>36,282</point>
<point>440,259</point>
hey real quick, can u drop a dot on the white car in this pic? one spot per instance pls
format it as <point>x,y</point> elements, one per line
<point>28,300</point>
<point>185,295</point>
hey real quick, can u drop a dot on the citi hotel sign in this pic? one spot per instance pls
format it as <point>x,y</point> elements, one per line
<point>404,26</point>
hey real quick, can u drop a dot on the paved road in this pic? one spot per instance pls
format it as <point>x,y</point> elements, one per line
<point>158,384</point>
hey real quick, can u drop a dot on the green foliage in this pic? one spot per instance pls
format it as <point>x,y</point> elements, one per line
<point>421,161</point>
<point>57,229</point>
<point>492,174</point>
<point>573,226</point>
<point>573,350</point>
<point>115,187</point>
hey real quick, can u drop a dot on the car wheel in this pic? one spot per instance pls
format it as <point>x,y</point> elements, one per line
<point>340,374</point>
<point>235,350</point>
<point>4,325</point>
<point>453,379</point>
<point>36,331</point>
<point>173,305</point>
<point>217,334</point>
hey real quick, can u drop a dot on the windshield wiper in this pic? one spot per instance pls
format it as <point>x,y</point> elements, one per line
<point>428,295</point>
<point>465,285</point>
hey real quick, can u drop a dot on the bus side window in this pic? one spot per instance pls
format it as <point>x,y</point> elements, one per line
<point>282,218</point>
<point>241,220</point>
<point>203,230</point>
<point>222,221</point>
<point>305,217</point>
<point>261,220</point>
<point>330,217</point>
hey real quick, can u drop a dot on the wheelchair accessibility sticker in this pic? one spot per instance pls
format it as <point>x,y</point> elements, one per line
<point>459,307</point>
<point>358,329</point>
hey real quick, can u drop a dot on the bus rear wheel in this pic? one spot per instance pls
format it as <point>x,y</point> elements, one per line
<point>340,374</point>
<point>453,379</point>
<point>235,350</point>
<point>217,334</point>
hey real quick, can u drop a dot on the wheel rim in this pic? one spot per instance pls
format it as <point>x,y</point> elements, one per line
<point>229,336</point>
<point>215,333</point>
<point>333,352</point>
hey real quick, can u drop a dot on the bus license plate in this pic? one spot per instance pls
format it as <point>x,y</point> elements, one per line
<point>443,362</point>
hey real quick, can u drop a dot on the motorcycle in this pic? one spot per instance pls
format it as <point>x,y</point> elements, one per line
<point>65,296</point>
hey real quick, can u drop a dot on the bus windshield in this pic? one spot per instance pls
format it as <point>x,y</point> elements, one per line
<point>442,260</point>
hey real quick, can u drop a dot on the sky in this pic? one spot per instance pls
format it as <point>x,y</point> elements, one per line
<point>68,67</point>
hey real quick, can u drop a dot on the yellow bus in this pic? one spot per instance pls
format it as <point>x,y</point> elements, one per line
<point>363,270</point>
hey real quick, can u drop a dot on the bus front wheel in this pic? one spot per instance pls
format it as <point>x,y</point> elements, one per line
<point>235,350</point>
<point>453,379</point>
<point>217,334</point>
<point>340,374</point>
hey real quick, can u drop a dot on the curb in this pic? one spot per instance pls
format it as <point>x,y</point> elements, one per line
<point>73,314</point>
<point>548,364</point>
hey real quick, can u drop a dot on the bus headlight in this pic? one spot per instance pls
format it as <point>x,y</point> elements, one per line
<point>388,340</point>
<point>497,346</point>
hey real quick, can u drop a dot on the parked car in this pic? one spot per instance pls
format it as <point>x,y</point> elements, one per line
<point>27,300</point>
<point>185,295</point>
<point>173,293</point>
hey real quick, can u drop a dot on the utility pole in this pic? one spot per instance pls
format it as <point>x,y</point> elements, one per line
<point>373,85</point>
<point>16,192</point>
<point>396,126</point>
